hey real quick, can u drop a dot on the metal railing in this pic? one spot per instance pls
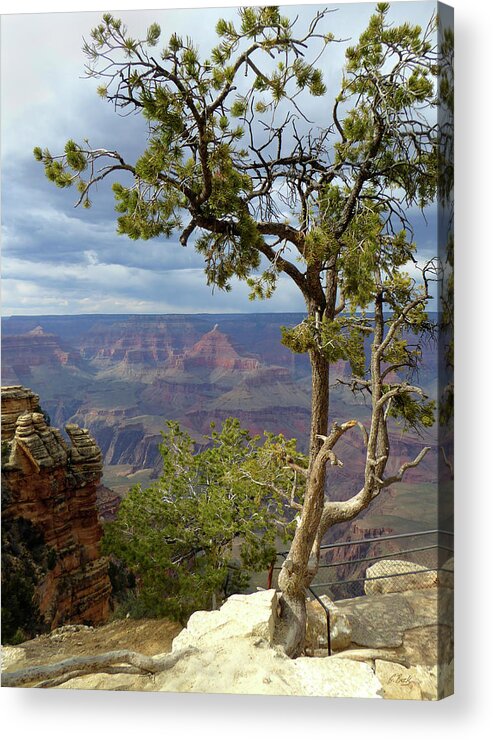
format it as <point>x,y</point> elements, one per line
<point>347,576</point>
<point>380,538</point>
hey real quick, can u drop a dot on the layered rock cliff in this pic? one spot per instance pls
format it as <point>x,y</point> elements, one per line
<point>23,353</point>
<point>215,351</point>
<point>126,375</point>
<point>49,493</point>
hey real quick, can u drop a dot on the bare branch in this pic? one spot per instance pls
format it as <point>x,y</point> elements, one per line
<point>325,452</point>
<point>297,468</point>
<point>398,389</point>
<point>405,466</point>
<point>94,664</point>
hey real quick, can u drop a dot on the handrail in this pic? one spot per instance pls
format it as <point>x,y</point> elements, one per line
<point>387,575</point>
<point>387,556</point>
<point>387,537</point>
<point>380,539</point>
<point>327,616</point>
<point>366,541</point>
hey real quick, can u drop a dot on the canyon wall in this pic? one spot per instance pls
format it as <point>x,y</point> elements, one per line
<point>49,491</point>
<point>121,377</point>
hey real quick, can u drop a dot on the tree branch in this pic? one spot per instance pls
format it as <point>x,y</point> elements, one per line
<point>94,664</point>
<point>400,388</point>
<point>405,466</point>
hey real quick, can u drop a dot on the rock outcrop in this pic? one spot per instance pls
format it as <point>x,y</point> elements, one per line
<point>316,626</point>
<point>393,576</point>
<point>16,400</point>
<point>232,651</point>
<point>416,628</point>
<point>22,353</point>
<point>395,652</point>
<point>49,487</point>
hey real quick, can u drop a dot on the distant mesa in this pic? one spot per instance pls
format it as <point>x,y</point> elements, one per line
<point>21,353</point>
<point>38,331</point>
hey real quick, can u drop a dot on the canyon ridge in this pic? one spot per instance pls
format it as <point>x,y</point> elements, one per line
<point>122,376</point>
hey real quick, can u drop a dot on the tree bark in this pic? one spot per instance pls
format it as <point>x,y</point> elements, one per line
<point>300,565</point>
<point>319,402</point>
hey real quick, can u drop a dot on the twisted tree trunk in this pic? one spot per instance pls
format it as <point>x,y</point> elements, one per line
<point>299,567</point>
<point>318,515</point>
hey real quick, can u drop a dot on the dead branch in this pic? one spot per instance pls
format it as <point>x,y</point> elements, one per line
<point>103,663</point>
<point>330,454</point>
<point>396,390</point>
<point>110,670</point>
<point>297,468</point>
<point>405,466</point>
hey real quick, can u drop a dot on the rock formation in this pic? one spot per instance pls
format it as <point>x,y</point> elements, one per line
<point>50,486</point>
<point>214,350</point>
<point>16,401</point>
<point>107,502</point>
<point>391,576</point>
<point>22,353</point>
<point>400,648</point>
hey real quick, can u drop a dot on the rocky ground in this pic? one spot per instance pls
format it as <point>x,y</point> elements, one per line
<point>147,636</point>
<point>394,646</point>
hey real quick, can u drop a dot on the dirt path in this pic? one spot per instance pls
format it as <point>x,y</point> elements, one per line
<point>148,636</point>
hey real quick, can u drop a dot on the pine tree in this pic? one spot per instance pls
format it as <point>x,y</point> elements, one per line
<point>191,538</point>
<point>230,147</point>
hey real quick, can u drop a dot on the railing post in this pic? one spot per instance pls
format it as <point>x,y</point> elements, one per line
<point>327,616</point>
<point>329,649</point>
<point>375,558</point>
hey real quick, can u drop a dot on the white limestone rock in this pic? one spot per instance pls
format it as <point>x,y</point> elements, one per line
<point>398,579</point>
<point>242,615</point>
<point>337,677</point>
<point>236,655</point>
<point>316,626</point>
<point>246,666</point>
<point>11,655</point>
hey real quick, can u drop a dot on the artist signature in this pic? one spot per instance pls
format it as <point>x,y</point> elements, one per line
<point>401,680</point>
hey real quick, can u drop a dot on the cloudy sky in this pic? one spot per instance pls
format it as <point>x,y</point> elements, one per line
<point>62,260</point>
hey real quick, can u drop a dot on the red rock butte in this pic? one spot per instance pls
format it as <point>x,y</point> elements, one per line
<point>53,485</point>
<point>214,350</point>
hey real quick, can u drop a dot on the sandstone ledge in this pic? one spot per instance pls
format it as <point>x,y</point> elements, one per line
<point>232,651</point>
<point>235,654</point>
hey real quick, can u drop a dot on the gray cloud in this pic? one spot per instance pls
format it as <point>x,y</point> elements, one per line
<point>64,260</point>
